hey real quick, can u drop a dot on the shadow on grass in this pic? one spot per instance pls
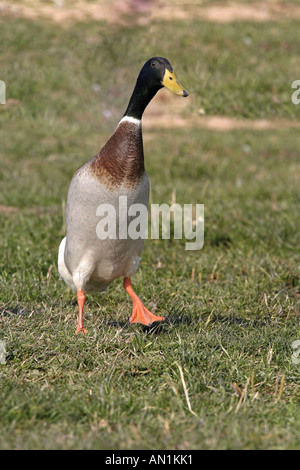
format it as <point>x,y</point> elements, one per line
<point>174,317</point>
<point>177,317</point>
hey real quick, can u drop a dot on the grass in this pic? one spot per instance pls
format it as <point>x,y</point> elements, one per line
<point>232,308</point>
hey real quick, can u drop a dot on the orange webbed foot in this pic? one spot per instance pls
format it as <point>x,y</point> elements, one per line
<point>80,328</point>
<point>140,314</point>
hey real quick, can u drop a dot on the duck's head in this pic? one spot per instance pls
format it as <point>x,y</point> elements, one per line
<point>155,74</point>
<point>158,73</point>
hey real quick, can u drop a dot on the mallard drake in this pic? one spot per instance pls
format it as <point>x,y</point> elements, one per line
<point>87,262</point>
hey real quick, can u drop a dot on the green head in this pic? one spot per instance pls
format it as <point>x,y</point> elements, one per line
<point>156,73</point>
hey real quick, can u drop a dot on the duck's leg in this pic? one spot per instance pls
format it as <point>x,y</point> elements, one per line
<point>140,314</point>
<point>80,300</point>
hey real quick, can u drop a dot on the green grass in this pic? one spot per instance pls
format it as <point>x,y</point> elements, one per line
<point>232,308</point>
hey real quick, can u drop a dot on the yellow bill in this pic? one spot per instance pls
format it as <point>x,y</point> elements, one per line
<point>170,81</point>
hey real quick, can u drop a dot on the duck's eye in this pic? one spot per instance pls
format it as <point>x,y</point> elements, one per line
<point>153,64</point>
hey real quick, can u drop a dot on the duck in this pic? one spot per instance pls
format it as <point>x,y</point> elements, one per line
<point>89,257</point>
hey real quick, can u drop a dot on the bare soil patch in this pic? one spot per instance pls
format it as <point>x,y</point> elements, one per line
<point>145,11</point>
<point>167,111</point>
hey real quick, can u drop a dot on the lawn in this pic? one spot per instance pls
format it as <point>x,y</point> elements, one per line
<point>221,371</point>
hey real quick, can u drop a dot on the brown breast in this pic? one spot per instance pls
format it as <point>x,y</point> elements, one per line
<point>121,160</point>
